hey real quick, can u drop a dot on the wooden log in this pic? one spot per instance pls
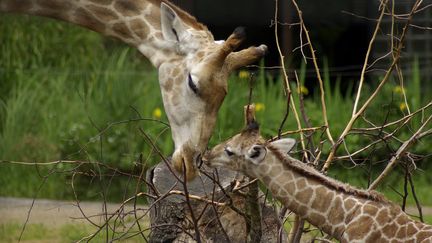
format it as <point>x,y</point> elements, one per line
<point>171,219</point>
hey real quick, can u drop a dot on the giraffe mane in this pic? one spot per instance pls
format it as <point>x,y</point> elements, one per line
<point>309,172</point>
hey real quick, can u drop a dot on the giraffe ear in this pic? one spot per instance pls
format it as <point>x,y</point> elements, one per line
<point>256,153</point>
<point>284,145</point>
<point>172,25</point>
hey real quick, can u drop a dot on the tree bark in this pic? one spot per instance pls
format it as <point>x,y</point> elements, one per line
<point>170,216</point>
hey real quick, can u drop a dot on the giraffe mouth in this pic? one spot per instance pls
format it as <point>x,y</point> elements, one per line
<point>207,160</point>
<point>199,160</point>
<point>187,162</point>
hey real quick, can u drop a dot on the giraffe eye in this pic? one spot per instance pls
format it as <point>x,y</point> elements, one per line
<point>228,151</point>
<point>192,85</point>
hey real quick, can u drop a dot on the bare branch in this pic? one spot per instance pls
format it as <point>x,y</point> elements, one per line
<point>395,158</point>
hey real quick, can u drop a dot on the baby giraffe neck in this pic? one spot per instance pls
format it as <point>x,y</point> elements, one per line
<point>310,200</point>
<point>346,213</point>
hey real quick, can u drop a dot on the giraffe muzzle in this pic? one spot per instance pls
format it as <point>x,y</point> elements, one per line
<point>187,161</point>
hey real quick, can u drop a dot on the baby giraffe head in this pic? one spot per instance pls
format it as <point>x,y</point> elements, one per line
<point>246,151</point>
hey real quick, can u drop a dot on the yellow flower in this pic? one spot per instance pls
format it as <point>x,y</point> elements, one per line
<point>303,90</point>
<point>259,107</point>
<point>157,113</point>
<point>402,106</point>
<point>398,89</point>
<point>243,74</point>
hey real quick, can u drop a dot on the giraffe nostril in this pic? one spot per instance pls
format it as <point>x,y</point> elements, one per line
<point>255,154</point>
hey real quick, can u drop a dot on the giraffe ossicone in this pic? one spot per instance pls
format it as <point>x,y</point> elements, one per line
<point>344,212</point>
<point>193,67</point>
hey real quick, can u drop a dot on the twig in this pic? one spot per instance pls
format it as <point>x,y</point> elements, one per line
<point>287,90</point>
<point>253,213</point>
<point>282,220</point>
<point>317,70</point>
<point>403,119</point>
<point>288,97</point>
<point>195,197</point>
<point>362,75</point>
<point>241,187</point>
<point>306,121</point>
<point>228,240</point>
<point>301,131</point>
<point>296,230</point>
<point>419,208</point>
<point>405,187</point>
<point>45,178</point>
<point>188,203</point>
<point>395,158</point>
<point>372,96</point>
<point>381,139</point>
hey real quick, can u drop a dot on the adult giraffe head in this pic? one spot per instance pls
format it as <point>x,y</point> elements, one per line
<point>193,67</point>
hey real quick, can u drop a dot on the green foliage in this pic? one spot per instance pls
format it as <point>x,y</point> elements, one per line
<point>64,95</point>
<point>73,103</point>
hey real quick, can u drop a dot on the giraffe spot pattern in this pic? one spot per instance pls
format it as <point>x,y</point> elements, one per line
<point>55,5</point>
<point>359,228</point>
<point>382,217</point>
<point>349,203</point>
<point>103,13</point>
<point>402,219</point>
<point>370,209</point>
<point>103,2</point>
<point>424,235</point>
<point>317,219</point>
<point>301,183</point>
<point>140,28</point>
<point>322,199</point>
<point>290,187</point>
<point>122,30</point>
<point>18,5</point>
<point>85,18</point>
<point>304,196</point>
<point>128,8</point>
<point>388,230</point>
<point>402,232</point>
<point>335,215</point>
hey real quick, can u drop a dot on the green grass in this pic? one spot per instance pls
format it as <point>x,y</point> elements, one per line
<point>61,85</point>
<point>428,219</point>
<point>11,232</point>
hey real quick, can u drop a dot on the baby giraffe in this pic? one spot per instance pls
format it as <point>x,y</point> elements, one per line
<point>344,212</point>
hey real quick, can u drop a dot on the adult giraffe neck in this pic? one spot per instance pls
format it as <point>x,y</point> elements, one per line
<point>136,23</point>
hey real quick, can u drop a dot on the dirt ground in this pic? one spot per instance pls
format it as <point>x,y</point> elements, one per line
<point>57,213</point>
<point>53,213</point>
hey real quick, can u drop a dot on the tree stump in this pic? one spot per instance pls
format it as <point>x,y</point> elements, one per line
<point>217,211</point>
